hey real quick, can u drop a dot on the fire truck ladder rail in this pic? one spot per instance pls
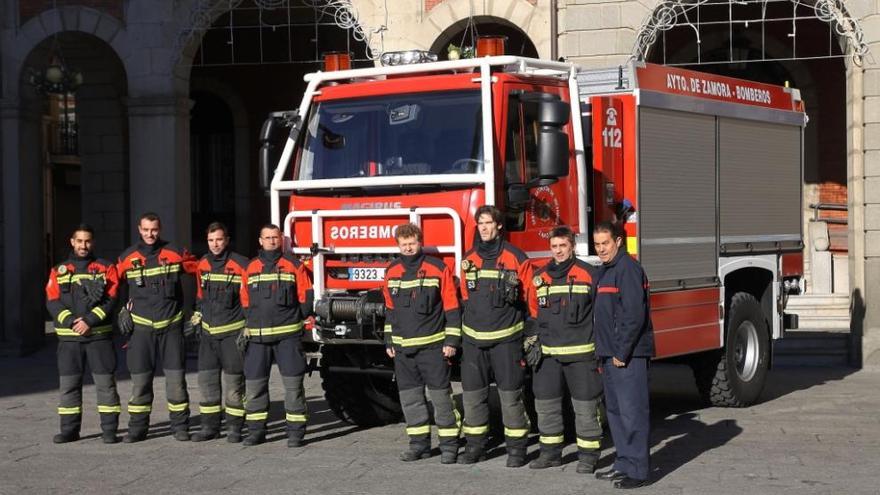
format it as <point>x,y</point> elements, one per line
<point>510,63</point>
<point>317,223</point>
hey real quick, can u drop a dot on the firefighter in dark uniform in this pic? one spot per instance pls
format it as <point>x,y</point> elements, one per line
<point>153,320</point>
<point>561,301</point>
<point>422,330</point>
<point>221,319</point>
<point>278,298</point>
<point>624,345</point>
<point>493,275</point>
<point>80,296</point>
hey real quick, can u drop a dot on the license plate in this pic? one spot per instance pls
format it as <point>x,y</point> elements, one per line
<point>366,274</point>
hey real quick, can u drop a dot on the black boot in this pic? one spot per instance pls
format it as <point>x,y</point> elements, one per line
<point>415,454</point>
<point>109,427</point>
<point>181,435</point>
<point>109,437</point>
<point>233,429</point>
<point>547,459</point>
<point>255,437</point>
<point>516,457</point>
<point>70,436</point>
<point>135,436</point>
<point>587,462</point>
<point>448,456</point>
<point>472,455</point>
<point>204,435</point>
<point>233,436</point>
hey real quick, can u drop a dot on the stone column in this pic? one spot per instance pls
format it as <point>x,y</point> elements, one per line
<point>24,262</point>
<point>863,164</point>
<point>160,164</point>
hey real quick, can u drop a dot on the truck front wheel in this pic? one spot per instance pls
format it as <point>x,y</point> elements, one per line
<point>734,376</point>
<point>365,398</point>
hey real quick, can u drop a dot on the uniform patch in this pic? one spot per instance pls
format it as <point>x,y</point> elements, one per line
<point>62,269</point>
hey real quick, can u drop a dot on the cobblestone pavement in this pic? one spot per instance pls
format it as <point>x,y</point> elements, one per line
<point>816,430</point>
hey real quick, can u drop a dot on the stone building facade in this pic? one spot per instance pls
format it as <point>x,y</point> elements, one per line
<point>148,106</point>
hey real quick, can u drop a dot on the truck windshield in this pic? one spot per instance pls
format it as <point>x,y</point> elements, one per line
<point>412,134</point>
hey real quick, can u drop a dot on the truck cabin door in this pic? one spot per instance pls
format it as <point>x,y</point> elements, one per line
<point>532,206</point>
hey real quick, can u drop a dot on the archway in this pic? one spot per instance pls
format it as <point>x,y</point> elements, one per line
<point>212,156</point>
<point>84,150</point>
<point>463,33</point>
<point>779,43</point>
<point>258,55</point>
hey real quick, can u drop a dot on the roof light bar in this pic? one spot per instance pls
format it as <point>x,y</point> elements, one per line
<point>407,57</point>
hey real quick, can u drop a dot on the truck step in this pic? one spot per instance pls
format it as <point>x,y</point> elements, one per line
<point>812,348</point>
<point>820,311</point>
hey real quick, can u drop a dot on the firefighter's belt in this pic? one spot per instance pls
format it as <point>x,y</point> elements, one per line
<point>417,341</point>
<point>567,350</point>
<point>492,335</point>
<point>68,332</point>
<point>157,325</point>
<point>272,331</point>
<point>272,277</point>
<point>218,329</point>
<point>413,284</point>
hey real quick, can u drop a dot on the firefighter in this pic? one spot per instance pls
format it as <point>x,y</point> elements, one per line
<point>80,295</point>
<point>220,317</point>
<point>278,297</point>
<point>153,320</point>
<point>494,273</point>
<point>624,346</point>
<point>562,352</point>
<point>422,331</point>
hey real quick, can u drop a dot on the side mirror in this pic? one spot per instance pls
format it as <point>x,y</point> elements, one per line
<point>553,152</point>
<point>517,196</point>
<point>270,134</point>
<point>551,114</point>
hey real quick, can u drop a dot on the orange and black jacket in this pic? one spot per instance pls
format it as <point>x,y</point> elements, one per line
<point>219,294</point>
<point>277,297</point>
<point>421,304</point>
<point>493,277</point>
<point>153,275</point>
<point>561,300</point>
<point>67,299</point>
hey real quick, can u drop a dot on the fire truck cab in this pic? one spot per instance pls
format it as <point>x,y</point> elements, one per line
<point>703,173</point>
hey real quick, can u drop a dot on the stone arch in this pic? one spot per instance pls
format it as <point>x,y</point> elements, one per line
<point>63,19</point>
<point>533,20</point>
<point>518,42</point>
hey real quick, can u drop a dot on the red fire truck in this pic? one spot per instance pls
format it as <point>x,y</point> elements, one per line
<point>703,173</point>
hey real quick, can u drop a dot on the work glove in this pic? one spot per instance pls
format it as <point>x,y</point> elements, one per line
<point>125,322</point>
<point>532,351</point>
<point>193,326</point>
<point>241,341</point>
<point>94,291</point>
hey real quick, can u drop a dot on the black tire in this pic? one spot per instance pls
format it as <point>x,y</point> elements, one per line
<point>734,376</point>
<point>363,400</point>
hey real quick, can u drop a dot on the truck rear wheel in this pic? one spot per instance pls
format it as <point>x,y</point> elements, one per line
<point>734,376</point>
<point>360,399</point>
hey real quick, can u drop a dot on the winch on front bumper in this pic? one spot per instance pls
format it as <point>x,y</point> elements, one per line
<point>349,318</point>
